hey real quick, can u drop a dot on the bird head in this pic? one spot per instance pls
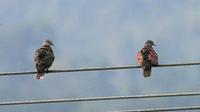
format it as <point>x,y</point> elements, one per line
<point>149,43</point>
<point>48,43</point>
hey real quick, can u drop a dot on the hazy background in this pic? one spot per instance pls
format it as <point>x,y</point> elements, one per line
<point>99,33</point>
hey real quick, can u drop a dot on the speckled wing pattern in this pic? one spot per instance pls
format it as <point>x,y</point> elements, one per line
<point>44,58</point>
<point>147,57</point>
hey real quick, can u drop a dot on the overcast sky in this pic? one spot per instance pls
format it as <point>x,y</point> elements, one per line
<point>98,33</point>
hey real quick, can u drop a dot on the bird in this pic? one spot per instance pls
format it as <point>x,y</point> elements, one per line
<point>147,57</point>
<point>44,58</point>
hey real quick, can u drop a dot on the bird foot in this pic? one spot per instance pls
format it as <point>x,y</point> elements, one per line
<point>47,71</point>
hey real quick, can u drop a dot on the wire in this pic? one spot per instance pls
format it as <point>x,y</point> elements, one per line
<point>96,69</point>
<point>100,98</point>
<point>163,109</point>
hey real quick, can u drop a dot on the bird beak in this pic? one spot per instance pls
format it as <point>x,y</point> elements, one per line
<point>52,44</point>
<point>154,45</point>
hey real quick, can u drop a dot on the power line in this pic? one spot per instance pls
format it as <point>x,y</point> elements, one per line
<point>96,69</point>
<point>99,98</point>
<point>163,109</point>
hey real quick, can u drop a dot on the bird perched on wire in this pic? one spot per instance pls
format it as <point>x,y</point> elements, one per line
<point>147,57</point>
<point>44,58</point>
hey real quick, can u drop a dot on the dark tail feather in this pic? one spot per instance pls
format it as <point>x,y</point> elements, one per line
<point>147,70</point>
<point>147,73</point>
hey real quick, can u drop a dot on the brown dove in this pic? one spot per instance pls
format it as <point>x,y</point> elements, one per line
<point>44,58</point>
<point>147,57</point>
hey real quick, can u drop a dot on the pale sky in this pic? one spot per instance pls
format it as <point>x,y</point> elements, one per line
<point>98,33</point>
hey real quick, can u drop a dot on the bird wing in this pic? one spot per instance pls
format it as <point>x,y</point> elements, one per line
<point>140,57</point>
<point>40,55</point>
<point>145,61</point>
<point>50,57</point>
<point>153,57</point>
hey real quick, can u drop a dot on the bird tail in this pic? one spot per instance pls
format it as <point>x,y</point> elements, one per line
<point>40,74</point>
<point>147,69</point>
<point>147,73</point>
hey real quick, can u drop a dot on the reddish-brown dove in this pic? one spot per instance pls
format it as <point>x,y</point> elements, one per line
<point>147,57</point>
<point>44,58</point>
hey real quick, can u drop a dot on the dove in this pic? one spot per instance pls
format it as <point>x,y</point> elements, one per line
<point>147,57</point>
<point>44,58</point>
